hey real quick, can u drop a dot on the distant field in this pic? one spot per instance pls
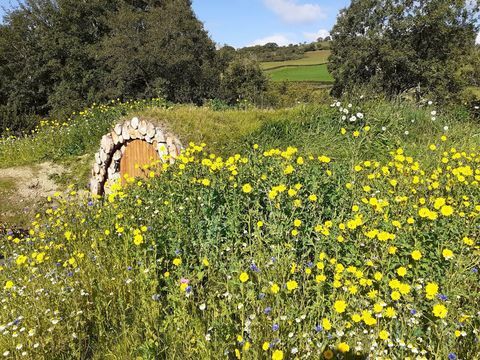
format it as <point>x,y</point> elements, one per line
<point>311,58</point>
<point>314,73</point>
<point>312,68</point>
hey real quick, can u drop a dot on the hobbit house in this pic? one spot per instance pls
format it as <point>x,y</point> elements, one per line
<point>127,148</point>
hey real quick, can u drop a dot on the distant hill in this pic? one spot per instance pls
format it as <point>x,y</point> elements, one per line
<point>312,67</point>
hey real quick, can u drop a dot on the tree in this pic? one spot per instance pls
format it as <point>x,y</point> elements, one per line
<point>242,80</point>
<point>397,45</point>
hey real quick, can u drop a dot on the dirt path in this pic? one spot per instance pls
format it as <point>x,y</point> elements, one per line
<point>24,189</point>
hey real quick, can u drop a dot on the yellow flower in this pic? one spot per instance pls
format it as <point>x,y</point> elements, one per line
<point>243,277</point>
<point>292,285</point>
<point>21,259</point>
<point>138,239</point>
<point>384,335</point>
<point>177,261</point>
<point>390,312</point>
<point>205,262</point>
<point>395,295</point>
<point>247,188</point>
<point>447,254</point>
<point>313,198</point>
<point>416,255</point>
<point>343,347</point>
<point>277,355</point>
<point>8,285</point>
<point>326,324</point>
<point>320,278</point>
<point>297,223</point>
<point>266,346</point>
<point>340,306</point>
<point>446,210</point>
<point>68,235</point>
<point>401,271</point>
<point>431,290</point>
<point>440,311</point>
<point>274,288</point>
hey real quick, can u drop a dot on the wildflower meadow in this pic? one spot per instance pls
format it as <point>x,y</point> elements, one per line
<point>266,253</point>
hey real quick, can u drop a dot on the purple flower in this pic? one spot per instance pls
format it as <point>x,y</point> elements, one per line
<point>318,328</point>
<point>90,203</point>
<point>310,264</point>
<point>254,267</point>
<point>275,327</point>
<point>261,296</point>
<point>188,289</point>
<point>413,311</point>
<point>129,268</point>
<point>475,270</point>
<point>273,259</point>
<point>452,356</point>
<point>442,297</point>
<point>267,310</point>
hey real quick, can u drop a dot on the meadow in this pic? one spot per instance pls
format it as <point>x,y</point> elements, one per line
<point>347,230</point>
<point>311,68</point>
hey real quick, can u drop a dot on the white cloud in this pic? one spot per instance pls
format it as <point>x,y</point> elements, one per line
<point>314,36</point>
<point>292,12</point>
<point>279,39</point>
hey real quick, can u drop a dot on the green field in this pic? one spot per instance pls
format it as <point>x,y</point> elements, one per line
<point>311,68</point>
<point>311,58</point>
<point>311,73</point>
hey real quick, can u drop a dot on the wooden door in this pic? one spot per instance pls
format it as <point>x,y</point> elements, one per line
<point>137,153</point>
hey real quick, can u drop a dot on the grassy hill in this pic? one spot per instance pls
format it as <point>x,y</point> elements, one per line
<point>289,233</point>
<point>312,68</point>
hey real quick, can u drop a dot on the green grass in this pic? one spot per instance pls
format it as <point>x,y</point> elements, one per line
<point>195,264</point>
<point>314,73</point>
<point>311,58</point>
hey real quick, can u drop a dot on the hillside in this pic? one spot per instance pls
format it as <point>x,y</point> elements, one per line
<point>311,68</point>
<point>286,228</point>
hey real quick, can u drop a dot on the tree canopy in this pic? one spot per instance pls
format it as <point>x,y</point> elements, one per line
<point>57,56</point>
<point>398,45</point>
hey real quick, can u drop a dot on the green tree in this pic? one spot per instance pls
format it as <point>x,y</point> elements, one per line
<point>243,80</point>
<point>398,45</point>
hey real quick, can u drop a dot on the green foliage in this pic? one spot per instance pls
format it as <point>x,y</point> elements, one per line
<point>60,56</point>
<point>242,80</point>
<point>395,46</point>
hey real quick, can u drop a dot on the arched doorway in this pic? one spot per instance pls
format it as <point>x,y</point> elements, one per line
<point>137,154</point>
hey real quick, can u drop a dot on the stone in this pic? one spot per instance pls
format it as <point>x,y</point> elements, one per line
<point>117,155</point>
<point>116,138</point>
<point>125,127</point>
<point>103,156</point>
<point>159,135</point>
<point>97,158</point>
<point>107,143</point>
<point>142,127</point>
<point>118,129</point>
<point>134,123</point>
<point>148,139</point>
<point>151,130</point>
<point>134,134</point>
<point>96,168</point>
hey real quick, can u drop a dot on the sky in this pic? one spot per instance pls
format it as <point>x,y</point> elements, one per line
<point>255,22</point>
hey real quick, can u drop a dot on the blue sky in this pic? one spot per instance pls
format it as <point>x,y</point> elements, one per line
<point>251,22</point>
<point>246,22</point>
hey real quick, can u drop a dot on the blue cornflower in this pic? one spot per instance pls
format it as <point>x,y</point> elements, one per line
<point>413,311</point>
<point>452,356</point>
<point>254,267</point>
<point>318,328</point>
<point>275,327</point>
<point>267,310</point>
<point>442,297</point>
